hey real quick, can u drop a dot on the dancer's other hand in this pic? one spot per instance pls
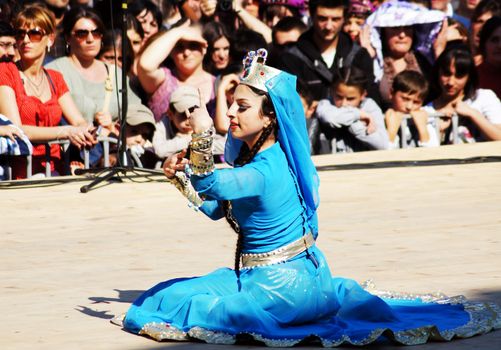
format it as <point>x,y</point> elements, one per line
<point>175,162</point>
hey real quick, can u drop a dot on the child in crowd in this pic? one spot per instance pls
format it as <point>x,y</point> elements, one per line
<point>139,131</point>
<point>408,93</point>
<point>355,122</point>
<point>173,132</point>
<point>318,142</point>
<point>358,11</point>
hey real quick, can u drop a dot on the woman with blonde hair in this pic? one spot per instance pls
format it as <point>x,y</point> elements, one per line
<point>36,98</point>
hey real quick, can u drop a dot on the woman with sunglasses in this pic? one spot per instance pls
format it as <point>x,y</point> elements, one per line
<point>35,98</point>
<point>90,80</point>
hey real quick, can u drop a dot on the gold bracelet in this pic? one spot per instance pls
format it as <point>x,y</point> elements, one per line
<point>201,159</point>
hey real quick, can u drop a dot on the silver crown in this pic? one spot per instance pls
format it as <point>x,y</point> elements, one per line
<point>256,73</point>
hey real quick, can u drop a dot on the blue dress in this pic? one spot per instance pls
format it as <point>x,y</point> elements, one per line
<point>285,303</point>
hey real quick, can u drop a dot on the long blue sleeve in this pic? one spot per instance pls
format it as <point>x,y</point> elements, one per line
<point>212,208</point>
<point>264,198</point>
<point>230,184</point>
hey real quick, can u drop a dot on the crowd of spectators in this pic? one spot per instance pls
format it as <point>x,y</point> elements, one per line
<point>371,74</point>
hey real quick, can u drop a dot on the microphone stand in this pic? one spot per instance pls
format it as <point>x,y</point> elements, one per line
<point>125,164</point>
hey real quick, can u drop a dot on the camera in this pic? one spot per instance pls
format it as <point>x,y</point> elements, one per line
<point>225,5</point>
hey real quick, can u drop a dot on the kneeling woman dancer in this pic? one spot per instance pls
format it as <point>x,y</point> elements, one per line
<point>281,290</point>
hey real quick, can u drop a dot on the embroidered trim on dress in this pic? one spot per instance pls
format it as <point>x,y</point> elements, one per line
<point>484,317</point>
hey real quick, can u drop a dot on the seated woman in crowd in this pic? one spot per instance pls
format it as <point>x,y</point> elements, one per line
<point>482,13</point>
<point>478,109</point>
<point>148,14</point>
<point>217,57</point>
<point>404,37</point>
<point>92,83</point>
<point>272,11</point>
<point>355,122</point>
<point>111,49</point>
<point>36,98</point>
<point>490,48</point>
<point>186,47</point>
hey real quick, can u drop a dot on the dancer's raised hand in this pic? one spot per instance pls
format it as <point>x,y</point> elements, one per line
<point>199,118</point>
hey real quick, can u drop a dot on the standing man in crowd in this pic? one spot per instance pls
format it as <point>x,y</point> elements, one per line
<point>324,49</point>
<point>7,42</point>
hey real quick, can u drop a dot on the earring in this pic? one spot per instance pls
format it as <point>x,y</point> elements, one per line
<point>48,48</point>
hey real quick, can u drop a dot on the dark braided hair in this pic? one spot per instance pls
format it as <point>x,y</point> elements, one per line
<point>245,156</point>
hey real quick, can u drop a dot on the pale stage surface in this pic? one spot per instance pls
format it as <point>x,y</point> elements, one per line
<point>70,262</point>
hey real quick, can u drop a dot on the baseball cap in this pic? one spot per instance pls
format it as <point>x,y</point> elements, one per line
<point>184,97</point>
<point>139,114</point>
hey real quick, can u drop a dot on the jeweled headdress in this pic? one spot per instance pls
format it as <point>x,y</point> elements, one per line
<point>256,73</point>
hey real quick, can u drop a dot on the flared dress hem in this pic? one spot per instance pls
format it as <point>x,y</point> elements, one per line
<point>484,317</point>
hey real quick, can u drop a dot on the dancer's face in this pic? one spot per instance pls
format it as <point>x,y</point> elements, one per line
<point>246,118</point>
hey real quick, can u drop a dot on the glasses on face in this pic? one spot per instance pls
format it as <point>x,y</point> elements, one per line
<point>82,34</point>
<point>7,46</point>
<point>190,45</point>
<point>35,35</point>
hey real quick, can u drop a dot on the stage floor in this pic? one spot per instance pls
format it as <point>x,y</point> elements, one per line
<point>70,262</point>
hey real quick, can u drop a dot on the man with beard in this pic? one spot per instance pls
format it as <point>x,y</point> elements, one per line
<point>7,42</point>
<point>324,49</point>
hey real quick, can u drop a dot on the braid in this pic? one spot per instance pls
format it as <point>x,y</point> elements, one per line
<point>245,156</point>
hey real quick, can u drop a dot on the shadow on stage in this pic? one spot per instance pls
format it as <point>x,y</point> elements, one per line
<point>493,295</point>
<point>124,296</point>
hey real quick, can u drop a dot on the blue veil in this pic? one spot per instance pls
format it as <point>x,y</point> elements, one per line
<point>293,139</point>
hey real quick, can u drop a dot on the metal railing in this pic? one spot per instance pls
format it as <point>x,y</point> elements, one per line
<point>65,145</point>
<point>436,124</point>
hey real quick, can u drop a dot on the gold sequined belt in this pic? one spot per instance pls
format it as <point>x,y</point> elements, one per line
<point>279,255</point>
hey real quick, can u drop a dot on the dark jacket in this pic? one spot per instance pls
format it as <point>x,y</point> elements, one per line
<point>311,73</point>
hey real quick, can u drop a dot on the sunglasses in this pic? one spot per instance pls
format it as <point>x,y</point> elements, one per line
<point>190,45</point>
<point>82,34</point>
<point>35,35</point>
